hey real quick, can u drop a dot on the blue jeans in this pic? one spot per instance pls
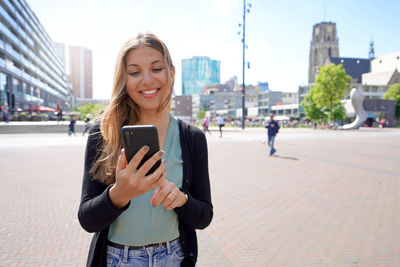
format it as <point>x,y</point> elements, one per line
<point>170,254</point>
<point>271,140</point>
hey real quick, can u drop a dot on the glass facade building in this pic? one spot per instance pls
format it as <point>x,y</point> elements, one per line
<point>198,72</point>
<point>31,72</point>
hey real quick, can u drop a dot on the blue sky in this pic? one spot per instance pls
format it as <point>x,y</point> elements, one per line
<point>278,33</point>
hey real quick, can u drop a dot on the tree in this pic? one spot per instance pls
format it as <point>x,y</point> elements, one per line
<point>311,110</point>
<point>339,112</point>
<point>202,113</point>
<point>394,93</point>
<point>332,85</point>
<point>92,109</point>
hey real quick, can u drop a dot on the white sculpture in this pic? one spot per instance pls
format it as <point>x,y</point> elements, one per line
<point>357,99</point>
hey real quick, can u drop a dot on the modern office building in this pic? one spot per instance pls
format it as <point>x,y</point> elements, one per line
<point>290,98</point>
<point>225,103</point>
<point>181,107</point>
<point>266,100</point>
<point>264,86</point>
<point>198,72</point>
<point>31,72</point>
<point>80,71</point>
<point>62,51</point>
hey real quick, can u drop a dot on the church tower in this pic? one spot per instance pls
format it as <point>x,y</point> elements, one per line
<point>371,51</point>
<point>324,44</point>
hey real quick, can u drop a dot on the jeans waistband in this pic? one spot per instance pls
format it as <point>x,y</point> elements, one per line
<point>154,245</point>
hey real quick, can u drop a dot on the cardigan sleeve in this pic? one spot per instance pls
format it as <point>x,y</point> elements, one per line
<point>197,212</point>
<point>96,211</point>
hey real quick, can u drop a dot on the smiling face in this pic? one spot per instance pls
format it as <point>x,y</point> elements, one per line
<point>147,80</point>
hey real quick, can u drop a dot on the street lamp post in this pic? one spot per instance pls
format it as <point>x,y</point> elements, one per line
<point>246,9</point>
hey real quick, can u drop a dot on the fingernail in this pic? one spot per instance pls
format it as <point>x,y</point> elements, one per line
<point>146,148</point>
<point>164,161</point>
<point>161,153</point>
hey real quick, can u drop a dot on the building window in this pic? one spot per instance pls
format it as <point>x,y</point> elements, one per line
<point>329,51</point>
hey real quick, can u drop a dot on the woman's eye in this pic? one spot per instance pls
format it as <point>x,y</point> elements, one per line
<point>134,73</point>
<point>157,69</point>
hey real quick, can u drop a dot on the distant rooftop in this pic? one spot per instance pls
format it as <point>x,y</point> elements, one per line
<point>385,63</point>
<point>354,67</point>
<point>384,78</point>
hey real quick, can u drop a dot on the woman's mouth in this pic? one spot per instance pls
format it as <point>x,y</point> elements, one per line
<point>150,92</point>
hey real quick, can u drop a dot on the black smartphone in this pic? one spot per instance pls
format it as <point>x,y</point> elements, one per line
<point>135,137</point>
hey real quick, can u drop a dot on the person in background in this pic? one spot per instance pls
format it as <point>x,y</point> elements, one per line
<point>59,115</point>
<point>273,128</point>
<point>206,123</point>
<point>71,127</point>
<point>139,219</point>
<point>221,123</point>
<point>5,113</point>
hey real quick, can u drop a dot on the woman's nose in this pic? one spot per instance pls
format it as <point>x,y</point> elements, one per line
<point>147,77</point>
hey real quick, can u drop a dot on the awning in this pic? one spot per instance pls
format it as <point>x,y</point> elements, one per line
<point>42,109</point>
<point>281,118</point>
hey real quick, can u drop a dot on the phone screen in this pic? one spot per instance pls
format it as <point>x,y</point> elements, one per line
<point>137,136</point>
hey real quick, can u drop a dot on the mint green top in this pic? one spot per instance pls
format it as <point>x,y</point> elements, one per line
<point>141,224</point>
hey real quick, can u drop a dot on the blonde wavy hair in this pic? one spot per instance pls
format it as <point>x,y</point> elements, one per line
<point>122,110</point>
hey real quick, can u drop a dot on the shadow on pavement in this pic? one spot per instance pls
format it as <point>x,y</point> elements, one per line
<point>282,157</point>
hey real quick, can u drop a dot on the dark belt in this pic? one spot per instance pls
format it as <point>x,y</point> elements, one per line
<point>116,245</point>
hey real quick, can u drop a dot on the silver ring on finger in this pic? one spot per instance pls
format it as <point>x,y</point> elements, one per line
<point>173,193</point>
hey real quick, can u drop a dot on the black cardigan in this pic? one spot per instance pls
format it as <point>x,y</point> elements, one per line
<point>96,212</point>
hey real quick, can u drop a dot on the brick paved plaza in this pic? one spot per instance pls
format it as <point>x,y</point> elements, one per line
<point>329,198</point>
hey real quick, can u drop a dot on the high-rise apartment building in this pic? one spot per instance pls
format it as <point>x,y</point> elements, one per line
<point>80,71</point>
<point>198,72</point>
<point>62,51</point>
<point>31,72</point>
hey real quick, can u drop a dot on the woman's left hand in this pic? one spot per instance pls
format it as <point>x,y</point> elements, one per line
<point>168,195</point>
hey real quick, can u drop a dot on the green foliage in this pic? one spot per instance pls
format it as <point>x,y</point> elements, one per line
<point>331,86</point>
<point>90,109</point>
<point>394,93</point>
<point>202,113</point>
<point>311,110</point>
<point>339,112</point>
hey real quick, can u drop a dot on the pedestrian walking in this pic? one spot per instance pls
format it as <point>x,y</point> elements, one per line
<point>5,113</point>
<point>141,220</point>
<point>59,115</point>
<point>71,127</point>
<point>206,123</point>
<point>221,123</point>
<point>273,128</point>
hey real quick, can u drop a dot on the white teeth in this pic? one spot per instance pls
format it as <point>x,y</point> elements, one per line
<point>149,92</point>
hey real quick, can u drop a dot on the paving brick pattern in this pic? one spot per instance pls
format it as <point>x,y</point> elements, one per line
<point>329,198</point>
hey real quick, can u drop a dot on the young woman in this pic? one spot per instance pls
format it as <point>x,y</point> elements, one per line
<point>141,220</point>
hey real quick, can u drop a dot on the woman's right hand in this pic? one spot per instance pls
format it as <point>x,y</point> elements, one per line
<point>131,182</point>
